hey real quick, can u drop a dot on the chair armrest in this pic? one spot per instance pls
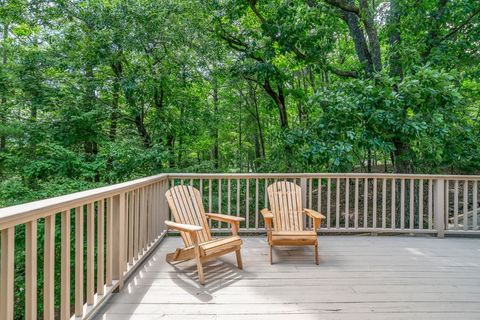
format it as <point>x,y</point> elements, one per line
<point>313,214</point>
<point>224,218</point>
<point>267,214</point>
<point>183,227</point>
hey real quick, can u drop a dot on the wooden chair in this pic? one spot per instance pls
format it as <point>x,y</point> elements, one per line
<point>284,222</point>
<point>191,220</point>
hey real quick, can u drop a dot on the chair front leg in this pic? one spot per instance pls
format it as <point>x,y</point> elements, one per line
<point>198,256</point>
<point>268,226</point>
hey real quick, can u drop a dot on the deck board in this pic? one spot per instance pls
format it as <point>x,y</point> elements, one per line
<point>359,277</point>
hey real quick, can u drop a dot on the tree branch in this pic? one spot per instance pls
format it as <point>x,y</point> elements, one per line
<point>344,5</point>
<point>343,73</point>
<point>461,25</point>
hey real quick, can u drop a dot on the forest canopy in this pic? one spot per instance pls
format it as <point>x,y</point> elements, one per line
<point>102,91</point>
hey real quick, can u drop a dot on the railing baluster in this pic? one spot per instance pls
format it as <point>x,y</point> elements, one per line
<point>150,214</point>
<point>412,203</point>
<point>374,209</point>
<point>79,261</point>
<point>365,202</point>
<point>238,197</point>
<point>355,212</point>
<point>229,196</point>
<point>430,203</point>
<point>337,203</point>
<point>119,259</point>
<point>310,189</point>
<point>402,203</point>
<point>7,267</point>
<point>474,205</point>
<point>109,243</point>
<point>455,205</point>
<point>420,204</point>
<point>100,246</point>
<point>65,267</point>
<point>210,200</point>
<point>328,202</point>
<point>131,205</point>
<point>49,268</point>
<point>393,208</point>
<point>347,203</point>
<point>31,270</point>
<point>219,206</point>
<point>136,222</point>
<point>265,200</point>
<point>384,203</point>
<point>143,221</point>
<point>256,204</point>
<point>247,203</point>
<point>465,205</point>
<point>319,195</point>
<point>90,253</point>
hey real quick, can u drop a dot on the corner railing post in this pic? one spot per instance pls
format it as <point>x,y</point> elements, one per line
<point>439,206</point>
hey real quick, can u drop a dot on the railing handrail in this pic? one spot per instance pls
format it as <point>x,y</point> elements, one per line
<point>323,175</point>
<point>22,213</point>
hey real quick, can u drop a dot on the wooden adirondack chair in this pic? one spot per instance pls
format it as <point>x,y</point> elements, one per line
<point>191,220</point>
<point>284,222</point>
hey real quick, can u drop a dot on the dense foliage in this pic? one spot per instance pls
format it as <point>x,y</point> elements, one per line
<point>101,91</point>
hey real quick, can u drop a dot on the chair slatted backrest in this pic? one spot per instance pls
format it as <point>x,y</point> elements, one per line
<point>186,206</point>
<point>286,206</point>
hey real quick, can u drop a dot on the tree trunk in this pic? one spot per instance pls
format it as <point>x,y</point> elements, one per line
<point>118,71</point>
<point>3,101</point>
<point>261,137</point>
<point>142,130</point>
<point>239,157</point>
<point>358,37</point>
<point>402,163</point>
<point>367,16</point>
<point>396,69</point>
<point>171,149</point>
<point>215,151</point>
<point>279,98</point>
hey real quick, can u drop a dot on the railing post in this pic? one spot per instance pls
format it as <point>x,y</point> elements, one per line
<point>303,185</point>
<point>439,206</point>
<point>7,266</point>
<point>118,238</point>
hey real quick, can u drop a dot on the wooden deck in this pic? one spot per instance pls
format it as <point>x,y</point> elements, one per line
<point>359,277</point>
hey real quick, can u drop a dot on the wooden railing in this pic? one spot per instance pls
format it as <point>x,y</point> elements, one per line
<point>378,203</point>
<point>113,229</point>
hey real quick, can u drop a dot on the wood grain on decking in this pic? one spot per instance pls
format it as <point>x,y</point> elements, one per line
<point>358,278</point>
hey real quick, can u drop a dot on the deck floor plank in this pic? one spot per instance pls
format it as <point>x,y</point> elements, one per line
<point>359,277</point>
